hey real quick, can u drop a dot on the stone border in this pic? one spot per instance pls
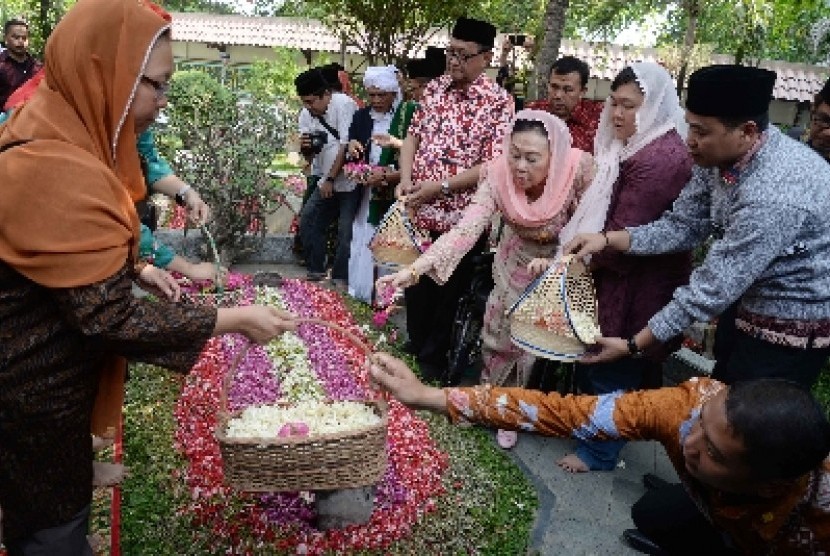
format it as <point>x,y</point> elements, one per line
<point>276,248</point>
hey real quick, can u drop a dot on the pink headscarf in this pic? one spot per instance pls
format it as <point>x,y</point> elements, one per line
<point>564,162</point>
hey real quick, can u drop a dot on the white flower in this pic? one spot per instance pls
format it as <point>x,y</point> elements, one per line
<point>265,421</point>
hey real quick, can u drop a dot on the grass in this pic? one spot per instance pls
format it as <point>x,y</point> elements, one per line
<point>821,389</point>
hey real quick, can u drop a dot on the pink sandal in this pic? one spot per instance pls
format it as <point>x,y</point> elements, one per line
<point>506,439</point>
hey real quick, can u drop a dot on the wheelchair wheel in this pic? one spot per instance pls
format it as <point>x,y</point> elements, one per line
<point>465,345</point>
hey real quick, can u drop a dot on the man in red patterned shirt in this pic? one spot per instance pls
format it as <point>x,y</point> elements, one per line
<point>16,64</point>
<point>460,124</point>
<point>567,83</point>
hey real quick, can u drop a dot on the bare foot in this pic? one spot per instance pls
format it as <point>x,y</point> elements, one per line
<point>107,474</point>
<point>96,543</point>
<point>507,439</point>
<point>100,443</point>
<point>572,464</point>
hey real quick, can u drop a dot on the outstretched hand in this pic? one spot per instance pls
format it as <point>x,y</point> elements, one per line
<point>585,244</point>
<point>610,349</point>
<point>197,210</point>
<point>395,377</point>
<point>422,192</point>
<point>261,323</point>
<point>159,282</point>
<point>400,280</point>
<point>384,140</point>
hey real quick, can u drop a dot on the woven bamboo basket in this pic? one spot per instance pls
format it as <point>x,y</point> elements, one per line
<point>319,462</point>
<point>556,316</point>
<point>397,242</point>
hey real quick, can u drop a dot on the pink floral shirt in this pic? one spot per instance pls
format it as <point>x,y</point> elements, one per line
<point>456,129</point>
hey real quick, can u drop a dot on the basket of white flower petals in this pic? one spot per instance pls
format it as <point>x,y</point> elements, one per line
<point>556,316</point>
<point>309,445</point>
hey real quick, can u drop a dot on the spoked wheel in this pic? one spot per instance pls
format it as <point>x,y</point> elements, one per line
<point>465,345</point>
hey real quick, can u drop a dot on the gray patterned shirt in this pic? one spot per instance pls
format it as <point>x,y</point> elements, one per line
<point>771,244</point>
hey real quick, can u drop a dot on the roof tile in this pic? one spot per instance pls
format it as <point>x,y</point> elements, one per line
<point>796,82</point>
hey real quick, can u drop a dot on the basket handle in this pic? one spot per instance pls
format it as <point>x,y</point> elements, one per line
<point>220,287</point>
<point>229,376</point>
<point>368,350</point>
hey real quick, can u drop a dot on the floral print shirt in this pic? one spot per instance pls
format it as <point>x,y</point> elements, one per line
<point>582,124</point>
<point>797,522</point>
<point>456,129</point>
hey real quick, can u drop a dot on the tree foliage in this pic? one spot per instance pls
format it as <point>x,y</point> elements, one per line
<point>388,31</point>
<point>273,80</point>
<point>41,15</point>
<point>206,6</point>
<point>226,146</point>
<point>774,30</point>
<point>750,30</point>
<point>517,16</point>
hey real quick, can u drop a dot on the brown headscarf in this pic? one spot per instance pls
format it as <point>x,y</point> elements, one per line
<point>67,215</point>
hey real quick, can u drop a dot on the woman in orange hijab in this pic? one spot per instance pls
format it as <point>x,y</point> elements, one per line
<point>70,174</point>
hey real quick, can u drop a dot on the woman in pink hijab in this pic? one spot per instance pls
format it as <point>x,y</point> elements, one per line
<point>535,186</point>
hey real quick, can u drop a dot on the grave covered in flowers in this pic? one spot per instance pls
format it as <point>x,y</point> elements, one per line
<point>441,485</point>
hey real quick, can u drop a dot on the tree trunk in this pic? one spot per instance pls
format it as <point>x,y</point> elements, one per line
<point>45,23</point>
<point>555,14</point>
<point>692,8</point>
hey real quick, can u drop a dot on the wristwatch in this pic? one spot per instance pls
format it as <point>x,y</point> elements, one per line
<point>329,178</point>
<point>445,188</point>
<point>633,349</point>
<point>179,197</point>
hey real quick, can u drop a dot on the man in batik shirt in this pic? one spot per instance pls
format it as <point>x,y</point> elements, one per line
<point>750,456</point>
<point>460,125</point>
<point>567,84</point>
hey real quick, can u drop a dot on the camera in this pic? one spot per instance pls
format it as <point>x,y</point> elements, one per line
<point>517,40</point>
<point>316,142</point>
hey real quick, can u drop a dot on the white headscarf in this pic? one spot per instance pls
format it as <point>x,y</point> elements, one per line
<point>384,78</point>
<point>660,113</point>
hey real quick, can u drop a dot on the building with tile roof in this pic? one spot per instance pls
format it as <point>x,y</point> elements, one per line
<point>237,40</point>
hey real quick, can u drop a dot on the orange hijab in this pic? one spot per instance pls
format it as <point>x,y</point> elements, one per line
<point>67,215</point>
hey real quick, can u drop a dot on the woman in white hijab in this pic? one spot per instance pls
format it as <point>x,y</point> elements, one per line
<point>642,165</point>
<point>383,90</point>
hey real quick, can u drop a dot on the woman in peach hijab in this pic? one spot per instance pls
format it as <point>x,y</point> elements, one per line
<point>68,241</point>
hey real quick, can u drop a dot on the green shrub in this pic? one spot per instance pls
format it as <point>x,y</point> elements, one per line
<point>225,146</point>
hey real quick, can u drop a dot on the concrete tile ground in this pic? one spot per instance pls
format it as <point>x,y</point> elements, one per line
<point>579,515</point>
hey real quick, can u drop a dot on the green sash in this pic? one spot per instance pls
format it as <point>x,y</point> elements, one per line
<point>382,198</point>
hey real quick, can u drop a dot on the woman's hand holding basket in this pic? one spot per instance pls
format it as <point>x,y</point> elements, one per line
<point>538,266</point>
<point>258,322</point>
<point>587,244</point>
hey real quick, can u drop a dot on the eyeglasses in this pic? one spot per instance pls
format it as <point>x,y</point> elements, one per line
<point>160,87</point>
<point>462,56</point>
<point>820,122</point>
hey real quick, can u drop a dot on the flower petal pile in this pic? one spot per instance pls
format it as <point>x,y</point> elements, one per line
<point>314,364</point>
